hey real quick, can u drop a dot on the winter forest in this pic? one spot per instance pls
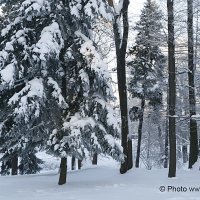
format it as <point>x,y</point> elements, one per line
<point>99,99</point>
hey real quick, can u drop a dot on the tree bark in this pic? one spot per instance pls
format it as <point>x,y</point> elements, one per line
<point>79,164</point>
<point>193,155</point>
<point>73,163</point>
<point>172,90</point>
<point>185,154</point>
<point>14,165</point>
<point>130,154</point>
<point>63,171</point>
<point>149,166</point>
<point>141,118</point>
<point>167,134</point>
<point>162,150</point>
<point>121,48</point>
<point>166,146</point>
<point>94,159</point>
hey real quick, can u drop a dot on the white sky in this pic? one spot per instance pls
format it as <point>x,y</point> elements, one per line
<point>135,8</point>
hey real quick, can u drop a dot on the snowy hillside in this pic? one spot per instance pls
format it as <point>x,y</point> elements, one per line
<point>102,183</point>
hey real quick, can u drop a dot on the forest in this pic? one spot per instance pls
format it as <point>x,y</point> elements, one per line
<point>100,85</point>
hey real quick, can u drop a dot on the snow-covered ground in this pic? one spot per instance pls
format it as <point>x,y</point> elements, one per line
<point>102,183</point>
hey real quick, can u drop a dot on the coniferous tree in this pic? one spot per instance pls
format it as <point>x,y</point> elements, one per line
<point>147,66</point>
<point>31,78</point>
<point>57,85</point>
<point>90,124</point>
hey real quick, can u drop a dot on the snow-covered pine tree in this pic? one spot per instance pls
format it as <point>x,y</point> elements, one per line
<point>147,65</point>
<point>54,80</point>
<point>90,124</point>
<point>30,79</point>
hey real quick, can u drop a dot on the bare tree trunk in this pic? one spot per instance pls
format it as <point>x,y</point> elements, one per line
<point>79,164</point>
<point>130,154</point>
<point>73,162</point>
<point>172,90</point>
<point>121,48</point>
<point>196,39</point>
<point>63,171</point>
<point>193,155</point>
<point>14,165</point>
<point>166,146</point>
<point>149,146</point>
<point>94,159</point>
<point>137,162</point>
<point>160,142</point>
<point>185,154</point>
<point>167,134</point>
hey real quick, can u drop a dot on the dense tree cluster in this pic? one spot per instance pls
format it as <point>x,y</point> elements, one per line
<point>55,88</point>
<point>56,91</point>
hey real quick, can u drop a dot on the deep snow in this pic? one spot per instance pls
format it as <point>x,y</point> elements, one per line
<point>101,183</point>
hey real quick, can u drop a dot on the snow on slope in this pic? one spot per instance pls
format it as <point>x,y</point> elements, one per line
<point>100,183</point>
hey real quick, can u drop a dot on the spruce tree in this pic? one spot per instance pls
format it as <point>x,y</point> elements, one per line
<point>31,79</point>
<point>57,95</point>
<point>146,66</point>
<point>89,124</point>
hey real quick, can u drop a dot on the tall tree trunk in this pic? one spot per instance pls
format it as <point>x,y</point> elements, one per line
<point>130,154</point>
<point>141,118</point>
<point>196,39</point>
<point>121,48</point>
<point>63,171</point>
<point>94,159</point>
<point>79,164</point>
<point>14,165</point>
<point>172,90</point>
<point>162,151</point>
<point>185,154</point>
<point>193,155</point>
<point>73,163</point>
<point>149,146</point>
<point>167,134</point>
<point>166,146</point>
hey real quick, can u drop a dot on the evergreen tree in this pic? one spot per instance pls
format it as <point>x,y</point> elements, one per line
<point>31,78</point>
<point>57,85</point>
<point>146,66</point>
<point>89,124</point>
